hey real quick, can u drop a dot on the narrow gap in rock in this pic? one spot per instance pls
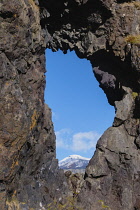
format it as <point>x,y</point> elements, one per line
<point>7,14</point>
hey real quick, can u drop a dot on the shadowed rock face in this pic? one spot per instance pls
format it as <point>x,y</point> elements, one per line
<point>96,30</point>
<point>27,140</point>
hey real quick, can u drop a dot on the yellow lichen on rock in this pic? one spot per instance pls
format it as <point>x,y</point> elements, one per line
<point>34,120</point>
<point>15,163</point>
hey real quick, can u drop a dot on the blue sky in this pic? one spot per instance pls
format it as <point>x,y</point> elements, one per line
<point>80,110</point>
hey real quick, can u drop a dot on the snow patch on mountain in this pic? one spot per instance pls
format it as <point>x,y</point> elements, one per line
<point>74,162</point>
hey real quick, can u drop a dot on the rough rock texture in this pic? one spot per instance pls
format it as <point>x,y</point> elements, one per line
<point>103,31</point>
<point>29,176</point>
<point>75,181</point>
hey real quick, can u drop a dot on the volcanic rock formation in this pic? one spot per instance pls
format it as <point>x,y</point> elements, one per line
<point>106,32</point>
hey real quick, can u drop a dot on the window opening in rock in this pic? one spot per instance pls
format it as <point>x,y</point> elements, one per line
<point>80,110</point>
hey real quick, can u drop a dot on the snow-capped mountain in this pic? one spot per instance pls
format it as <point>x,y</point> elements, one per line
<point>74,162</point>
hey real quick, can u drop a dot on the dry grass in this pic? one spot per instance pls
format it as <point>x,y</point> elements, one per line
<point>136,4</point>
<point>133,39</point>
<point>134,94</point>
<point>103,205</point>
<point>70,204</point>
<point>32,3</point>
<point>132,4</point>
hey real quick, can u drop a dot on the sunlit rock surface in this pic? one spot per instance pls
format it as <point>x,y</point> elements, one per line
<point>106,32</point>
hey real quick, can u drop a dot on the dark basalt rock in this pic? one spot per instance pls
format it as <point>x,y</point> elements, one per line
<point>96,30</point>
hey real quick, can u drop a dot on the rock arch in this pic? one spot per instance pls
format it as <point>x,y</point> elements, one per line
<point>106,33</point>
